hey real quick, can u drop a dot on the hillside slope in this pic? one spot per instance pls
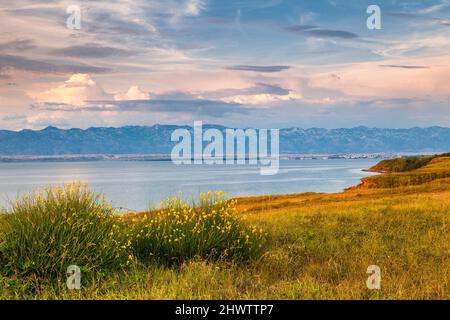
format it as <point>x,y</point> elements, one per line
<point>408,172</point>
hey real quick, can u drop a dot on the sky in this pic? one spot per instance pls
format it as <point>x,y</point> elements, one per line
<point>239,63</point>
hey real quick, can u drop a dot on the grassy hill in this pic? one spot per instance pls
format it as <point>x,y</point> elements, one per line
<point>317,246</point>
<point>405,164</point>
<point>401,164</point>
<point>408,172</point>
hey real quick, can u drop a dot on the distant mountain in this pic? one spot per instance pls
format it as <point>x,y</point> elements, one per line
<point>156,140</point>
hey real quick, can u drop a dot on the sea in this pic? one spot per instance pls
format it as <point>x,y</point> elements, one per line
<point>141,185</point>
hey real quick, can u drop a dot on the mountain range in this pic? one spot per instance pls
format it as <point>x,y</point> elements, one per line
<point>156,140</point>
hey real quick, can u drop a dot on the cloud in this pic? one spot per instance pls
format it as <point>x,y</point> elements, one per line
<point>91,51</point>
<point>260,93</point>
<point>252,68</point>
<point>18,45</point>
<point>181,49</point>
<point>109,23</point>
<point>317,32</point>
<point>198,107</point>
<point>403,66</point>
<point>14,117</point>
<point>263,98</point>
<point>81,93</point>
<point>22,63</point>
<point>176,10</point>
<point>258,88</point>
<point>405,77</point>
<point>75,91</point>
<point>413,16</point>
<point>437,7</point>
<point>194,7</point>
<point>133,93</point>
<point>51,9</point>
<point>259,4</point>
<point>299,28</point>
<point>327,33</point>
<point>44,119</point>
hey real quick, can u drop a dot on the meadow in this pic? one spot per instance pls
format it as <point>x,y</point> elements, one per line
<point>300,246</point>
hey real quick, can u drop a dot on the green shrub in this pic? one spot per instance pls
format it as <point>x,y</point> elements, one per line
<point>49,229</point>
<point>208,229</point>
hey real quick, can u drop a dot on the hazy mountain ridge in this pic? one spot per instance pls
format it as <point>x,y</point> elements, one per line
<point>156,140</point>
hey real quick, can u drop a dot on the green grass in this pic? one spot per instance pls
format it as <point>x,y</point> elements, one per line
<point>48,230</point>
<point>405,163</point>
<point>317,246</point>
<point>207,229</point>
<point>401,164</point>
<point>426,170</point>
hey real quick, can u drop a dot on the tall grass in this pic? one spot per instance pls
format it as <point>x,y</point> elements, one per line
<point>49,229</point>
<point>208,228</point>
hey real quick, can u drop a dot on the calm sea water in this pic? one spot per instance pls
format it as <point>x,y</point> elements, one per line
<point>138,185</point>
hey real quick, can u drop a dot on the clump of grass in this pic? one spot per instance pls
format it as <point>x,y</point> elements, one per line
<point>208,229</point>
<point>49,229</point>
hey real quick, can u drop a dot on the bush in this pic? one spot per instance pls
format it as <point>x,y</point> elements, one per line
<point>49,229</point>
<point>209,229</point>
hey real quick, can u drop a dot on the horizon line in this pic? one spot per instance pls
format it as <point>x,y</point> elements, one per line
<point>218,125</point>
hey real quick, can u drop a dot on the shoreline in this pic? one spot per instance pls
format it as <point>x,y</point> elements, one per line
<point>167,157</point>
<point>153,197</point>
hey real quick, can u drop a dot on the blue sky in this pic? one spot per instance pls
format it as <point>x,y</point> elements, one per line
<point>252,63</point>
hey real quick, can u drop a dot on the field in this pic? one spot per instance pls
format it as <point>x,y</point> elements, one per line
<point>313,246</point>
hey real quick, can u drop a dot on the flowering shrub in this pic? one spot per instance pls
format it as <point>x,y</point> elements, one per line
<point>49,229</point>
<point>208,228</point>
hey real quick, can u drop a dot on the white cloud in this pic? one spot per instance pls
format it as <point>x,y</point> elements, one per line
<point>194,7</point>
<point>43,119</point>
<point>435,8</point>
<point>133,93</point>
<point>263,98</point>
<point>80,89</point>
<point>76,91</point>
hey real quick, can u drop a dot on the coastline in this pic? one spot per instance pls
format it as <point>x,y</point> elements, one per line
<point>146,183</point>
<point>167,157</point>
